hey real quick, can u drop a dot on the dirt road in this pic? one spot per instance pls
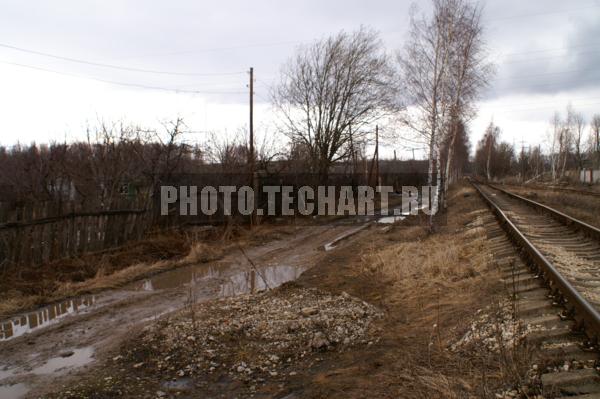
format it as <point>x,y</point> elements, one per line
<point>39,352</point>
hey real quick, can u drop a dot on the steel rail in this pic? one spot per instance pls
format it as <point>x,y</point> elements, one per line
<point>554,188</point>
<point>585,315</point>
<point>584,227</point>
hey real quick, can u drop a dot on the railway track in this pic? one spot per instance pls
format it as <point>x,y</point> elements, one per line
<point>555,277</point>
<point>567,190</point>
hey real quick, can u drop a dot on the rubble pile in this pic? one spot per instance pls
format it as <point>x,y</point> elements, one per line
<point>494,329</point>
<point>249,336</point>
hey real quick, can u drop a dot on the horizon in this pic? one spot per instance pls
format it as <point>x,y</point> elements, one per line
<point>51,71</point>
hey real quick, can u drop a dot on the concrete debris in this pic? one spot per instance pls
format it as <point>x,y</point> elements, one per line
<point>494,329</point>
<point>253,337</point>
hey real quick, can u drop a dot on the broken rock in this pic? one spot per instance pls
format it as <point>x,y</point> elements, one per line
<point>309,311</point>
<point>319,341</point>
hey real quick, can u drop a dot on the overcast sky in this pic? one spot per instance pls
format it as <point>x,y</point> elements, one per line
<point>547,53</point>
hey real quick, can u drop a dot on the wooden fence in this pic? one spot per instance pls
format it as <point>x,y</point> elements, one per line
<point>42,240</point>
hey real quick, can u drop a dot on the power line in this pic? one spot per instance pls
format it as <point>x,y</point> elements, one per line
<point>214,85</point>
<point>542,13</point>
<point>262,97</point>
<point>551,49</point>
<point>140,86</point>
<point>510,17</point>
<point>550,57</point>
<point>546,74</point>
<point>105,65</point>
<point>297,42</point>
<point>547,107</point>
<point>559,84</point>
<point>216,49</point>
<point>546,102</point>
<point>123,68</point>
<point>132,69</point>
<point>577,103</point>
<point>273,44</point>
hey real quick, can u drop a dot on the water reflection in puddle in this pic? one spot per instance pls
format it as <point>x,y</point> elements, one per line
<point>232,282</point>
<point>390,219</point>
<point>14,391</point>
<point>252,281</point>
<point>5,373</point>
<point>43,317</point>
<point>79,358</point>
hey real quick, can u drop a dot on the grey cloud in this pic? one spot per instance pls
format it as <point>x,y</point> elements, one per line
<point>570,65</point>
<point>230,36</point>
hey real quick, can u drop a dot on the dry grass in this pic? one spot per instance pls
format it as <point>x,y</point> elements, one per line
<point>432,287</point>
<point>438,258</point>
<point>441,283</point>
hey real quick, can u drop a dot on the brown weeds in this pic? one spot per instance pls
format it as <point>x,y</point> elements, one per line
<point>443,282</point>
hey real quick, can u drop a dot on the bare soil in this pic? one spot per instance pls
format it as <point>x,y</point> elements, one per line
<point>418,294</point>
<point>118,313</point>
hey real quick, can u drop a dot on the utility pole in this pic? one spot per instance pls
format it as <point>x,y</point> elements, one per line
<point>352,152</point>
<point>251,86</point>
<point>413,151</point>
<point>377,155</point>
<point>251,131</point>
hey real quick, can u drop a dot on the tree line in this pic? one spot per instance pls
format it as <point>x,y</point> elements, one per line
<point>332,92</point>
<point>95,174</point>
<point>571,144</point>
<point>331,96</point>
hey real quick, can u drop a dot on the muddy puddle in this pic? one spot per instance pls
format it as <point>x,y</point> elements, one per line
<point>91,325</point>
<point>43,317</point>
<point>65,361</point>
<point>224,280</point>
<point>5,373</point>
<point>230,281</point>
<point>13,391</point>
<point>68,359</point>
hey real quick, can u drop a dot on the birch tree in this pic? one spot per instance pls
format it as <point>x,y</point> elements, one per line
<point>443,70</point>
<point>576,126</point>
<point>555,141</point>
<point>469,74</point>
<point>423,63</point>
<point>490,138</point>
<point>595,138</point>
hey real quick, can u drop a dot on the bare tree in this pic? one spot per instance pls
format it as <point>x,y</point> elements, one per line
<point>536,162</point>
<point>490,140</point>
<point>561,141</point>
<point>161,153</point>
<point>443,71</point>
<point>595,138</point>
<point>332,90</point>
<point>106,162</point>
<point>469,73</point>
<point>229,152</point>
<point>555,141</point>
<point>494,158</point>
<point>458,148</point>
<point>423,63</point>
<point>576,127</point>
